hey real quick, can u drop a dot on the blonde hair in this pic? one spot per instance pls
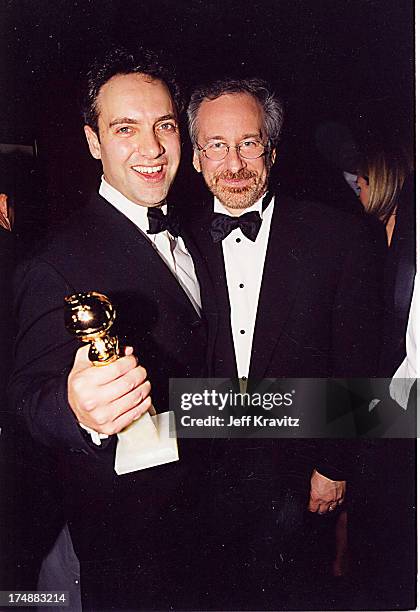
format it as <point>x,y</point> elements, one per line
<point>386,173</point>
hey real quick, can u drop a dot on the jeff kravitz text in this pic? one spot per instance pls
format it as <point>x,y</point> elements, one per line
<point>243,421</point>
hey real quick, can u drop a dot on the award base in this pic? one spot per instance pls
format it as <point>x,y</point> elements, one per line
<point>147,443</point>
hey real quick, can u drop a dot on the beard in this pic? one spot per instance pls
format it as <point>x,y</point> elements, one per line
<point>238,198</point>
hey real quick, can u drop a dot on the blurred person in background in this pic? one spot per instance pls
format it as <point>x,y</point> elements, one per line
<point>387,193</point>
<point>386,182</point>
<point>381,179</point>
<point>336,162</point>
<point>29,503</point>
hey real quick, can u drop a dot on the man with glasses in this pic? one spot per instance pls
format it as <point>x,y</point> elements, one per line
<point>297,297</point>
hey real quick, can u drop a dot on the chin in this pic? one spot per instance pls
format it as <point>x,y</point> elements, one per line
<point>152,200</point>
<point>238,201</point>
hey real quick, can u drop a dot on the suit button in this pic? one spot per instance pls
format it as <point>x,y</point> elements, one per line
<point>196,323</point>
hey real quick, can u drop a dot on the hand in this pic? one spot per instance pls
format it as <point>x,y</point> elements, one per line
<point>108,398</point>
<point>325,494</point>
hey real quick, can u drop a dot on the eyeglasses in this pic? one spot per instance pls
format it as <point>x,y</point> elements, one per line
<point>248,149</point>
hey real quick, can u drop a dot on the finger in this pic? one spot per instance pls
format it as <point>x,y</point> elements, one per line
<point>313,505</point>
<point>108,373</point>
<point>124,385</point>
<point>323,508</point>
<point>4,222</point>
<point>126,403</point>
<point>108,413</point>
<point>81,359</point>
<point>128,417</point>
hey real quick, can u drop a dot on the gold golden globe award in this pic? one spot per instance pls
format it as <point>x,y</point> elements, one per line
<point>147,441</point>
<point>89,317</point>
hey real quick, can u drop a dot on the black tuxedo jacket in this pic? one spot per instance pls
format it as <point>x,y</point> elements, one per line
<point>319,299</point>
<point>121,525</point>
<point>319,310</point>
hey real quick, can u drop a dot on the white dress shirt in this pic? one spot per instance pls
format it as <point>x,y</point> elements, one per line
<point>244,265</point>
<point>172,249</point>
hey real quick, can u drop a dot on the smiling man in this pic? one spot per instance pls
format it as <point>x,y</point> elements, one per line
<point>297,296</point>
<point>137,142</point>
<point>239,179</point>
<point>134,533</point>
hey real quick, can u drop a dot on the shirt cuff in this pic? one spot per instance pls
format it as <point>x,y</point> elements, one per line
<point>96,437</point>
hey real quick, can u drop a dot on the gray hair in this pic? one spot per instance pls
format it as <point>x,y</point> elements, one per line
<point>271,105</point>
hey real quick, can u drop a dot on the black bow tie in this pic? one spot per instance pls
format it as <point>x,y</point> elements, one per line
<point>159,222</point>
<point>222,225</point>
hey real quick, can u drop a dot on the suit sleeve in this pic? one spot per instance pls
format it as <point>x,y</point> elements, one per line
<point>357,337</point>
<point>44,354</point>
<point>358,311</point>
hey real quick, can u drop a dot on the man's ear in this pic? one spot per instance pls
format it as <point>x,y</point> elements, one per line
<point>93,142</point>
<point>196,161</point>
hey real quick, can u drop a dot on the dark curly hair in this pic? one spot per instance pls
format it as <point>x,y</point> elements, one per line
<point>122,61</point>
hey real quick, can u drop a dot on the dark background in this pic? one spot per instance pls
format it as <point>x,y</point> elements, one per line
<point>345,60</point>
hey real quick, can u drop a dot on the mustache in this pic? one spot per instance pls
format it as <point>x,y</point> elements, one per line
<point>243,173</point>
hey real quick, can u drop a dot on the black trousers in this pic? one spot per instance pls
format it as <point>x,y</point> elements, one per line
<point>255,513</point>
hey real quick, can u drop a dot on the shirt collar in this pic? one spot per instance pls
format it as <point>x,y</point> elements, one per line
<point>135,212</point>
<point>219,208</point>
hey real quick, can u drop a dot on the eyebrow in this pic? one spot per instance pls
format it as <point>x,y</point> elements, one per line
<point>252,135</point>
<point>166,117</point>
<point>120,120</point>
<point>244,137</point>
<point>130,121</point>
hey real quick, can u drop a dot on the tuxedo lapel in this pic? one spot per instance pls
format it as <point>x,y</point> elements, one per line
<point>212,259</point>
<point>281,277</point>
<point>207,293</point>
<point>139,252</point>
<point>211,256</point>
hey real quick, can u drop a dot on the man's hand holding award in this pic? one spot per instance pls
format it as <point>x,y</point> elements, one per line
<point>114,399</point>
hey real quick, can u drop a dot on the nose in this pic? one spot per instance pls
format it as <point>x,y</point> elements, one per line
<point>149,145</point>
<point>234,162</point>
